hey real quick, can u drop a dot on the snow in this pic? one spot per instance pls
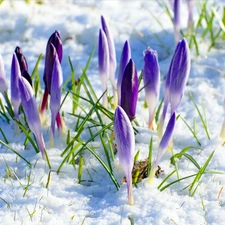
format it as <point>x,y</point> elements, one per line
<point>96,200</point>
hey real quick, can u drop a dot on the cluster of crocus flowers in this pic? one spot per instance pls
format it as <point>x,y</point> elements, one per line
<point>164,143</point>
<point>125,140</point>
<point>53,58</point>
<point>106,59</point>
<point>176,80</point>
<point>151,78</point>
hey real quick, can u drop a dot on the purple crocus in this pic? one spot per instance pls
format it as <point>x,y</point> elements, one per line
<point>176,80</point>
<point>151,77</point>
<point>56,90</point>
<point>176,20</point>
<point>50,55</point>
<point>129,90</point>
<point>163,145</point>
<point>15,76</point>
<point>180,70</point>
<point>21,59</point>
<point>23,64</point>
<point>112,52</point>
<point>103,62</point>
<point>124,137</point>
<point>3,82</point>
<point>124,59</point>
<point>28,102</point>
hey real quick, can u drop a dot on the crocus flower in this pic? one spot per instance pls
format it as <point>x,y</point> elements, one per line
<point>176,80</point>
<point>112,52</point>
<point>28,102</point>
<point>124,137</point>
<point>163,145</point>
<point>124,59</point>
<point>176,20</point>
<point>103,62</point>
<point>21,59</point>
<point>49,62</point>
<point>56,89</point>
<point>15,94</point>
<point>3,82</point>
<point>129,90</point>
<point>180,70</point>
<point>151,77</point>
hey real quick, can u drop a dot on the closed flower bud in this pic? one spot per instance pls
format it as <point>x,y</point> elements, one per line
<point>129,90</point>
<point>125,141</point>
<point>151,77</point>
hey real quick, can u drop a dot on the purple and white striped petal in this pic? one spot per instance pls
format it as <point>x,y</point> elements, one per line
<point>15,76</point>
<point>163,145</point>
<point>125,141</point>
<point>111,47</point>
<point>103,62</point>
<point>151,77</point>
<point>56,90</point>
<point>28,102</point>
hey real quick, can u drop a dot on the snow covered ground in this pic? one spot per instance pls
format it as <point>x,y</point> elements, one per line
<point>24,198</point>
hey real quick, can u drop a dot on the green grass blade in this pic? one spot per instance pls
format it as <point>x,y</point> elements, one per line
<point>7,146</point>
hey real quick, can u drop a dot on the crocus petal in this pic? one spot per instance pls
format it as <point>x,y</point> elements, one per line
<point>125,140</point>
<point>3,82</point>
<point>49,62</point>
<point>15,76</point>
<point>56,90</point>
<point>163,145</point>
<point>176,20</point>
<point>112,52</point>
<point>124,59</point>
<point>179,73</point>
<point>103,62</point>
<point>28,102</point>
<point>27,76</point>
<point>151,77</point>
<point>129,90</point>
<point>21,59</point>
